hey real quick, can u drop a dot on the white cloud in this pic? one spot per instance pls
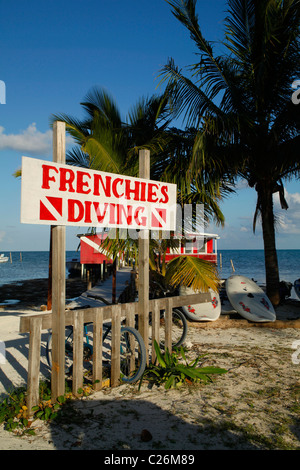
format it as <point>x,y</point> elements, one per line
<point>288,221</point>
<point>293,198</point>
<point>2,235</point>
<point>29,140</point>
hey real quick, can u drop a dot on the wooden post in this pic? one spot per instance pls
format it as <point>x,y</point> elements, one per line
<point>143,281</point>
<point>58,280</point>
<point>77,352</point>
<point>114,281</point>
<point>155,328</point>
<point>97,349</point>
<point>168,325</point>
<point>130,321</point>
<point>34,363</point>
<point>115,345</point>
<point>232,266</point>
<point>49,296</point>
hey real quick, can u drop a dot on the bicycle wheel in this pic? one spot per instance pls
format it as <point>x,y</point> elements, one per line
<point>179,328</point>
<point>132,355</point>
<point>87,351</point>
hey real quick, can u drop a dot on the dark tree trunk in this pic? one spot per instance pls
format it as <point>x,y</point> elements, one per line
<point>265,195</point>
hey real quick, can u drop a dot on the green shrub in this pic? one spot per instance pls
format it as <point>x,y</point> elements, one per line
<point>174,370</point>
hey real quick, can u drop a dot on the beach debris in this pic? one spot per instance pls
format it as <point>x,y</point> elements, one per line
<point>146,435</point>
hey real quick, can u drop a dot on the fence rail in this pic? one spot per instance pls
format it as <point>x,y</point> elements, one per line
<point>34,324</point>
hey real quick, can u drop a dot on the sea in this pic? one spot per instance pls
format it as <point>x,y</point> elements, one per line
<point>249,263</point>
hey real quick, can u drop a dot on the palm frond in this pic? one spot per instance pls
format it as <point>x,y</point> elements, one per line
<point>186,96</point>
<point>77,128</point>
<point>100,101</point>
<point>185,12</point>
<point>77,157</point>
<point>239,29</point>
<point>192,272</point>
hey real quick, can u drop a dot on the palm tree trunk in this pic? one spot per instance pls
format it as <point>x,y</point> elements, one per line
<point>265,194</point>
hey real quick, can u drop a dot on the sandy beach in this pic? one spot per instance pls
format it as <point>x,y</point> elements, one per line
<point>255,405</point>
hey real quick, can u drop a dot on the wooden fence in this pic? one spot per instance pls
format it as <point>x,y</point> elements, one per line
<point>34,324</point>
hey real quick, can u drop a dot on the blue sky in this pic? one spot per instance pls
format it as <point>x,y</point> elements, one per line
<point>53,53</point>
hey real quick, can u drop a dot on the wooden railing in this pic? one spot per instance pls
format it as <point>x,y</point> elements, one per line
<point>34,324</point>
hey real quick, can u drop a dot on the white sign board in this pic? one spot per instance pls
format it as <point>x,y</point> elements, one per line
<point>57,194</point>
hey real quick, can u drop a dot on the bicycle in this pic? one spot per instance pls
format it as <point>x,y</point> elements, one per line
<point>179,322</point>
<point>132,351</point>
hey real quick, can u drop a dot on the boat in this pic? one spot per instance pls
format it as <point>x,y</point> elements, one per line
<point>297,287</point>
<point>3,259</point>
<point>73,266</point>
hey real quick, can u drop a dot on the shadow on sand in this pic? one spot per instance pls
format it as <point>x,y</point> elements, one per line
<point>14,371</point>
<point>124,425</point>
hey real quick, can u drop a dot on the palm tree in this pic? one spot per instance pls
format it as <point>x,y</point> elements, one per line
<point>106,143</point>
<point>240,102</point>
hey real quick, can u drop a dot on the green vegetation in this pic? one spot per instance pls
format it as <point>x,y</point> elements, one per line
<point>14,412</point>
<point>239,102</point>
<point>174,370</point>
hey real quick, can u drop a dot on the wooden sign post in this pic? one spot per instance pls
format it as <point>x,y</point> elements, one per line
<point>57,194</point>
<point>143,280</point>
<point>58,280</point>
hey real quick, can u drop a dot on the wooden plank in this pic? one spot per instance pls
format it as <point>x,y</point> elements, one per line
<point>115,345</point>
<point>88,317</point>
<point>97,349</point>
<point>155,328</point>
<point>168,324</point>
<point>143,266</point>
<point>77,352</point>
<point>34,363</point>
<point>130,321</point>
<point>182,300</point>
<point>129,314</point>
<point>58,280</point>
<point>177,301</point>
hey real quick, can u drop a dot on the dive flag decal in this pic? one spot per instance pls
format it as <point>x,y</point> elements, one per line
<point>158,218</point>
<point>51,211</point>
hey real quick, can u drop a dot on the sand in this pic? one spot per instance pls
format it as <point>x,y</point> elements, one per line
<point>255,405</point>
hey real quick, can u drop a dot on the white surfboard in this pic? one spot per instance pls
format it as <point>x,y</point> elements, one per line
<point>249,300</point>
<point>206,311</point>
<point>297,287</point>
